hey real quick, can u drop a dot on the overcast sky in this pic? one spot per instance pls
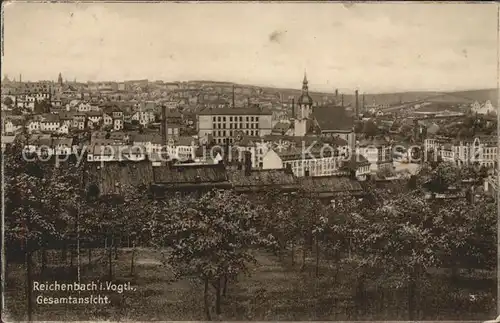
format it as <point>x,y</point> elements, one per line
<point>373,47</point>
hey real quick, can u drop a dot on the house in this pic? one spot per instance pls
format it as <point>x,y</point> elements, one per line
<point>50,122</point>
<point>357,166</point>
<point>181,148</point>
<point>111,153</point>
<point>11,125</point>
<point>94,116</point>
<point>174,116</point>
<point>151,141</point>
<point>483,150</point>
<point>62,146</point>
<point>378,152</point>
<point>143,117</point>
<point>486,108</point>
<point>312,162</point>
<point>33,126</point>
<point>221,123</point>
<point>7,141</point>
<point>255,146</point>
<point>107,119</point>
<point>83,107</point>
<point>117,124</point>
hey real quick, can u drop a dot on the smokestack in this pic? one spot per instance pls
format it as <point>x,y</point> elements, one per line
<point>363,106</point>
<point>20,78</point>
<point>164,126</point>
<point>342,99</point>
<point>233,97</point>
<point>336,93</point>
<point>356,107</point>
<point>293,108</point>
<point>248,163</point>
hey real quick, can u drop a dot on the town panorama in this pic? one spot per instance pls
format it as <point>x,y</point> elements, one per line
<point>155,199</point>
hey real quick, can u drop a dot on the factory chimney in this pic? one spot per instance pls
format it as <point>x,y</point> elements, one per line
<point>164,125</point>
<point>293,108</point>
<point>233,97</point>
<point>356,107</point>
<point>336,93</point>
<point>342,99</point>
<point>363,106</point>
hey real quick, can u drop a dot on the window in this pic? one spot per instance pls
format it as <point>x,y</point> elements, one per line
<point>218,119</point>
<point>224,119</point>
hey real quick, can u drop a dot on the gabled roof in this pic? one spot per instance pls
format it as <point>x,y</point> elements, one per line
<point>50,117</point>
<point>111,175</point>
<point>355,162</point>
<point>191,174</point>
<point>62,141</point>
<point>333,118</point>
<point>261,179</point>
<point>154,138</point>
<point>94,113</point>
<point>184,141</point>
<point>329,185</point>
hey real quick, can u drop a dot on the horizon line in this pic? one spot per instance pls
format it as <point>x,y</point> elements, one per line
<point>351,91</point>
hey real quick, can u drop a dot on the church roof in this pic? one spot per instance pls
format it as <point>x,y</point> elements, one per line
<point>333,118</point>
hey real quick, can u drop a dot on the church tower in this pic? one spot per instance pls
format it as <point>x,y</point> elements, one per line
<point>305,101</point>
<point>60,80</point>
<point>304,104</point>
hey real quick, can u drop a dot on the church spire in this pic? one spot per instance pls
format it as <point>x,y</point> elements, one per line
<point>59,79</point>
<point>305,88</point>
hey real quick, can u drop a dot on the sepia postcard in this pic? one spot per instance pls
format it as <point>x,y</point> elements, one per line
<point>250,161</point>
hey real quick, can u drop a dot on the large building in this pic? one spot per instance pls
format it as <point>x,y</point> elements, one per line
<point>224,123</point>
<point>481,150</point>
<point>326,121</point>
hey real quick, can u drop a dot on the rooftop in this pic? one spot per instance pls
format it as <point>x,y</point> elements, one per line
<point>235,111</point>
<point>333,118</point>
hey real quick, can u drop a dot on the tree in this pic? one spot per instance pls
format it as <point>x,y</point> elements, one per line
<point>396,241</point>
<point>8,101</point>
<point>38,197</point>
<point>210,237</point>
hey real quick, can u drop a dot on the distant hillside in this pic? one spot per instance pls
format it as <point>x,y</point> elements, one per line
<point>378,98</point>
<point>479,95</point>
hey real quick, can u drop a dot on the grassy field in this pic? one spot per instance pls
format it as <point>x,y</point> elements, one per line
<point>274,290</point>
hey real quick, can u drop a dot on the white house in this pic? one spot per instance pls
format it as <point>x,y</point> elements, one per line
<point>118,124</point>
<point>316,162</point>
<point>486,108</point>
<point>33,126</point>
<point>181,148</point>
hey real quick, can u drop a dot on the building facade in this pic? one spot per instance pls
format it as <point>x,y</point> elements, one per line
<point>225,122</point>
